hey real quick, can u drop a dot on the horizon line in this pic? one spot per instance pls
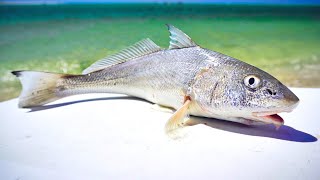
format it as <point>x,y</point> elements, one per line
<point>155,2</point>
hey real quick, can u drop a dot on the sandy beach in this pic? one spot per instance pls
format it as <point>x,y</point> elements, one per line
<point>111,136</point>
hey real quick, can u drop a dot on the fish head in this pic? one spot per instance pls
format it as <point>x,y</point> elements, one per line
<point>264,97</point>
<point>240,92</point>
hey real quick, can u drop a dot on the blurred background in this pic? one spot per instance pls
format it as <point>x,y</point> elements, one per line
<point>280,37</point>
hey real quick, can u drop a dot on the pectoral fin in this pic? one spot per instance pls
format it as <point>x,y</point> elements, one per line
<point>177,119</point>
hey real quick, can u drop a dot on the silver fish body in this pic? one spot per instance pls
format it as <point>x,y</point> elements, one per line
<point>186,77</point>
<point>163,77</point>
<point>214,81</point>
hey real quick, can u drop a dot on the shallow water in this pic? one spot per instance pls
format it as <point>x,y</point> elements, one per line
<point>282,40</point>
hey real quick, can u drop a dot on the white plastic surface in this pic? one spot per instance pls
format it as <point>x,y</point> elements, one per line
<point>109,136</point>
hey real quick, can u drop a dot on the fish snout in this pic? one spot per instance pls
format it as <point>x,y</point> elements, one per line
<point>291,100</point>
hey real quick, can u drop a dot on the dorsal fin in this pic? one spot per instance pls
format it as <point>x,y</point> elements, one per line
<point>179,39</point>
<point>141,48</point>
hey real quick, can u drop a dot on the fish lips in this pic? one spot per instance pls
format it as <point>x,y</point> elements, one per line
<point>272,116</point>
<point>269,117</point>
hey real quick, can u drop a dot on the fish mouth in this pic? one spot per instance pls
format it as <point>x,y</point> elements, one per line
<point>269,117</point>
<point>272,117</point>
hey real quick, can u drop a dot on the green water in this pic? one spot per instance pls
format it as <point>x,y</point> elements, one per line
<point>282,40</point>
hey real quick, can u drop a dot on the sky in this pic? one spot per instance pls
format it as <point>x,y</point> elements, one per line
<point>160,1</point>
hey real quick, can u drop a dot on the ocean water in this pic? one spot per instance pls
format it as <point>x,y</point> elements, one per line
<point>282,40</point>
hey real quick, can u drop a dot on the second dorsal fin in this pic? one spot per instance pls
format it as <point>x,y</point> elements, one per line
<point>179,39</point>
<point>141,48</point>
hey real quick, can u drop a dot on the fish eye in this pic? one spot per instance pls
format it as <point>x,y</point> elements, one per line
<point>252,81</point>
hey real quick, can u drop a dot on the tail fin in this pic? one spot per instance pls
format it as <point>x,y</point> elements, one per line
<point>38,88</point>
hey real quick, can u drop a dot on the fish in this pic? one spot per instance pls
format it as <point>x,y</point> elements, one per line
<point>192,80</point>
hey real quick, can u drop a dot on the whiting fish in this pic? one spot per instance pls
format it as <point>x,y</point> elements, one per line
<point>186,77</point>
